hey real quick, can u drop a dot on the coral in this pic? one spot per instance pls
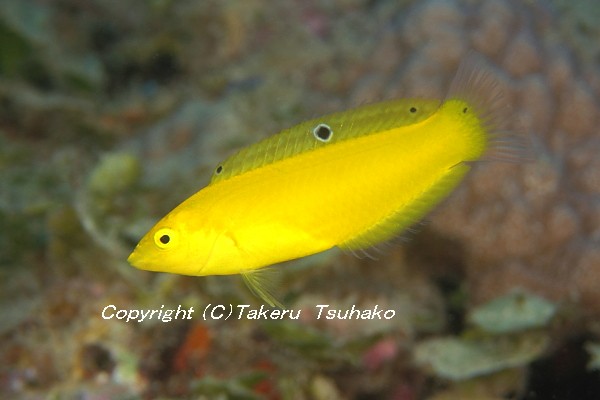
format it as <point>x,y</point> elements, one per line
<point>532,225</point>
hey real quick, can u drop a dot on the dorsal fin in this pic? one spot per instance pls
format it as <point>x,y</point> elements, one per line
<point>326,130</point>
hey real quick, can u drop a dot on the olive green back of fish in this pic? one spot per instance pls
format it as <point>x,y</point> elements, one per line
<point>333,128</point>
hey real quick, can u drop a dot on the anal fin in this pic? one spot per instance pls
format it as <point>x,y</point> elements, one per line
<point>403,218</point>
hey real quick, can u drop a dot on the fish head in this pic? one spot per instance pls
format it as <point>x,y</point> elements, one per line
<point>174,246</point>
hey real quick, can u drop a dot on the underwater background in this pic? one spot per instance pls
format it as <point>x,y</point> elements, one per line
<point>113,112</point>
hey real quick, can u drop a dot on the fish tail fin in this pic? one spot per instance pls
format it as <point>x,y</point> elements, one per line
<point>478,84</point>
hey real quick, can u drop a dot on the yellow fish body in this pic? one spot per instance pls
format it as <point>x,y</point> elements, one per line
<point>350,179</point>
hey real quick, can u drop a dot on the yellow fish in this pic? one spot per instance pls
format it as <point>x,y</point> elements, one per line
<point>350,179</point>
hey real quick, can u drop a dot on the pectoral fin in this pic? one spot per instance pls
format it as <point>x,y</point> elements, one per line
<point>262,283</point>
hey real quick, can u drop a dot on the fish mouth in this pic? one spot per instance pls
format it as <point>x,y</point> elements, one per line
<point>141,263</point>
<point>138,261</point>
<point>134,259</point>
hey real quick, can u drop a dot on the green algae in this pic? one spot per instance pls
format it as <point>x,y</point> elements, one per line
<point>509,333</point>
<point>239,388</point>
<point>593,349</point>
<point>516,311</point>
<point>466,358</point>
<point>579,23</point>
<point>114,173</point>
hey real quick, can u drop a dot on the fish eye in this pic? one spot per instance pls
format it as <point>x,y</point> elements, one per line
<point>323,132</point>
<point>413,110</point>
<point>165,238</point>
<point>219,169</point>
<point>465,110</point>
